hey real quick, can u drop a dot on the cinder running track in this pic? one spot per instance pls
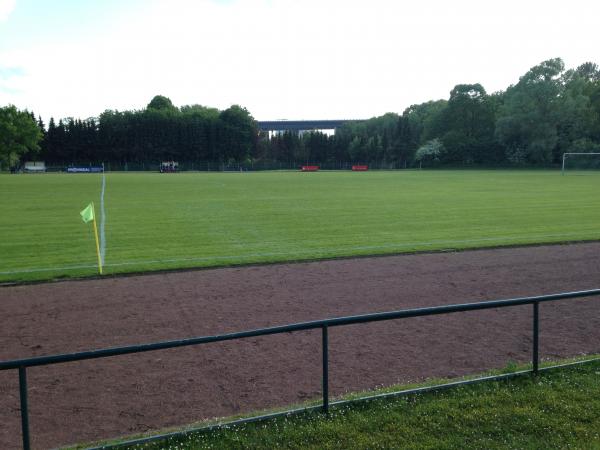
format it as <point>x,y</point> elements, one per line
<point>79,402</point>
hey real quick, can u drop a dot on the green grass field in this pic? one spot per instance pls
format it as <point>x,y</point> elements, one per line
<point>156,221</point>
<point>555,410</point>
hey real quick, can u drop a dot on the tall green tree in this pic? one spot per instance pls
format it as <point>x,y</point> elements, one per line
<point>161,102</point>
<point>466,125</point>
<point>579,116</point>
<point>528,118</point>
<point>426,120</point>
<point>19,134</point>
<point>238,132</point>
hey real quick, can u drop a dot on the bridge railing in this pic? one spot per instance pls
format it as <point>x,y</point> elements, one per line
<point>23,364</point>
<point>303,125</point>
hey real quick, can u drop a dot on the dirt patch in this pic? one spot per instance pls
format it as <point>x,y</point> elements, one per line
<point>116,396</point>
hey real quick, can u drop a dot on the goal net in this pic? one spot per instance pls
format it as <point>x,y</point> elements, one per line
<point>580,161</point>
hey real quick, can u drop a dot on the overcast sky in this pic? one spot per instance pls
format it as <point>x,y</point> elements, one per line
<point>294,59</point>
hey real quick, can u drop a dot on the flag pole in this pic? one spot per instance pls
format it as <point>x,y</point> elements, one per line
<point>97,243</point>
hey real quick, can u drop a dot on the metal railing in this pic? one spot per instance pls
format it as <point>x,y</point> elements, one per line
<point>22,364</point>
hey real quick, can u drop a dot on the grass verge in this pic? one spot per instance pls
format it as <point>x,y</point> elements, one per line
<point>556,409</point>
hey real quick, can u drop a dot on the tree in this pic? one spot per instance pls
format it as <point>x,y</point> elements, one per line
<point>239,133</point>
<point>528,118</point>
<point>161,102</point>
<point>19,134</point>
<point>430,151</point>
<point>357,151</point>
<point>466,125</point>
<point>425,120</point>
<point>405,142</point>
<point>589,71</point>
<point>579,116</point>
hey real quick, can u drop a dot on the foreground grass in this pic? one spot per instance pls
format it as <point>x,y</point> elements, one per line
<point>159,221</point>
<point>557,409</point>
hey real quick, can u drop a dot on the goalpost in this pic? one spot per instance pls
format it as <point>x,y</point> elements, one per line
<point>574,154</point>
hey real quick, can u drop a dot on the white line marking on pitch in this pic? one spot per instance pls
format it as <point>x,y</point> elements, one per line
<point>102,221</point>
<point>327,251</point>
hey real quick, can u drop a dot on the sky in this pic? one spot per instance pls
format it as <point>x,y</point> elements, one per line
<point>281,59</point>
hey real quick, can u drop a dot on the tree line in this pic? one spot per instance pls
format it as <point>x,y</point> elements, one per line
<point>551,110</point>
<point>159,132</point>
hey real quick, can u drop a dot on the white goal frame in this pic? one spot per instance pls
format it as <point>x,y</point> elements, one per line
<point>564,158</point>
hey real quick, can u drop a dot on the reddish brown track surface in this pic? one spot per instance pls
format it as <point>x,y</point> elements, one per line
<point>116,396</point>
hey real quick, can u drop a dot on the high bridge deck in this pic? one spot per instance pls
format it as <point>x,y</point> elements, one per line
<point>301,125</point>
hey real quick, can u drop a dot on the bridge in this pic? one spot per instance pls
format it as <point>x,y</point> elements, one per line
<point>301,125</point>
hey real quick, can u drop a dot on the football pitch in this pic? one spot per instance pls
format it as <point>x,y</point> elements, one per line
<point>169,221</point>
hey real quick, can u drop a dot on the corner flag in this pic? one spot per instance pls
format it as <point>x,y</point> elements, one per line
<point>87,215</point>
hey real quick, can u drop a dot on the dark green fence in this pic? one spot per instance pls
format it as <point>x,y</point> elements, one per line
<point>22,364</point>
<point>217,166</point>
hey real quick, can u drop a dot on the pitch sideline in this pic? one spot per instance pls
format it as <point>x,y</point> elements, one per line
<point>102,222</point>
<point>298,252</point>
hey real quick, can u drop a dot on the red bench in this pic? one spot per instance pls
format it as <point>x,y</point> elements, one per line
<point>310,168</point>
<point>360,168</point>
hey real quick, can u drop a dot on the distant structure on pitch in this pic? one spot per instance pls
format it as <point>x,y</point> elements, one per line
<point>169,167</point>
<point>34,167</point>
<point>580,161</point>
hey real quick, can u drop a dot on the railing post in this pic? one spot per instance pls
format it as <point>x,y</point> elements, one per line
<point>536,334</point>
<point>24,408</point>
<point>325,384</point>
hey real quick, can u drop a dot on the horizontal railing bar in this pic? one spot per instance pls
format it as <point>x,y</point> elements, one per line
<point>338,321</point>
<point>337,404</point>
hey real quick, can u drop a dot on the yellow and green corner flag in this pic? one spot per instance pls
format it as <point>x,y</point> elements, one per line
<point>88,215</point>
